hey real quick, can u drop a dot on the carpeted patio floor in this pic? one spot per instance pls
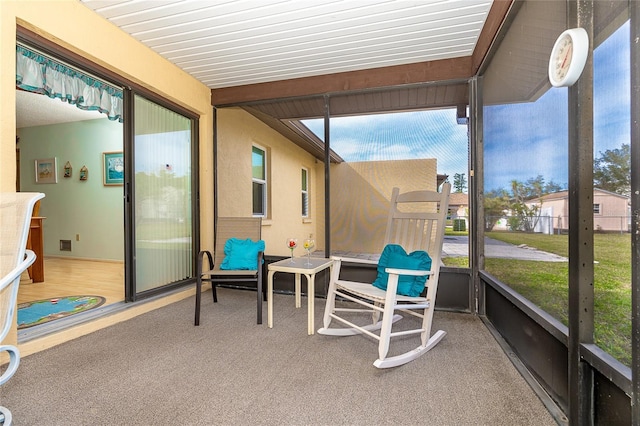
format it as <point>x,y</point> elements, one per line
<point>159,369</point>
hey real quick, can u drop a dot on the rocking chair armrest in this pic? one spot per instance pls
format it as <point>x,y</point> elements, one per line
<point>413,272</point>
<point>355,260</point>
<point>394,277</point>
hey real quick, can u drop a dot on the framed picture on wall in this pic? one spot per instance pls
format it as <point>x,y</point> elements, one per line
<point>113,166</point>
<point>46,170</point>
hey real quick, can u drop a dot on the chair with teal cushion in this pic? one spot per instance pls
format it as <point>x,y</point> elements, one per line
<point>15,220</point>
<point>394,256</point>
<point>407,281</point>
<point>237,260</point>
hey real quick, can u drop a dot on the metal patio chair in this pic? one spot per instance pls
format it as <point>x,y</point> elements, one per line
<point>227,228</point>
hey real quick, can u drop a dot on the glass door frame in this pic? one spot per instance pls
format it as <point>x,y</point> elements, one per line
<point>129,89</point>
<point>131,294</point>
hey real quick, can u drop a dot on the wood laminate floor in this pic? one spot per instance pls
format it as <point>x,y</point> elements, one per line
<point>74,277</point>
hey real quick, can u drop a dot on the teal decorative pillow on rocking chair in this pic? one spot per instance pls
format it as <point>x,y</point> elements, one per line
<point>394,256</point>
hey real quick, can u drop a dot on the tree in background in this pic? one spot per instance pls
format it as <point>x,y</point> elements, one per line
<point>612,171</point>
<point>524,217</point>
<point>496,202</point>
<point>524,214</point>
<point>459,182</point>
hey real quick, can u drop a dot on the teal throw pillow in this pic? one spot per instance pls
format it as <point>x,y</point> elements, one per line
<point>394,256</point>
<point>241,254</point>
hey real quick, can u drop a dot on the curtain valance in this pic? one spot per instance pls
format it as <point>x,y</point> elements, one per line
<point>38,73</point>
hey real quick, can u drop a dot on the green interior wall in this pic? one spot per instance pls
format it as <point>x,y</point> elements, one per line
<point>73,207</point>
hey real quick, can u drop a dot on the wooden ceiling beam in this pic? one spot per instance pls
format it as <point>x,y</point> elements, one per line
<point>422,72</point>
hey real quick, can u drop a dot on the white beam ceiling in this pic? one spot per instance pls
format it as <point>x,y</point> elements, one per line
<point>225,43</point>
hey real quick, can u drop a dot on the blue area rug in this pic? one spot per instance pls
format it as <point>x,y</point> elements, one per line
<point>46,310</point>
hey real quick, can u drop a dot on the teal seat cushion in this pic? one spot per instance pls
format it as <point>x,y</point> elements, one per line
<point>241,254</point>
<point>394,256</point>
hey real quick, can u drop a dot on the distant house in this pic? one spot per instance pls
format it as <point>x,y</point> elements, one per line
<point>459,207</point>
<point>611,211</point>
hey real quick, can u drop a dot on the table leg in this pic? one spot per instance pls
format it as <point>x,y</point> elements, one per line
<point>298,291</point>
<point>270,299</point>
<point>260,294</point>
<point>311,280</point>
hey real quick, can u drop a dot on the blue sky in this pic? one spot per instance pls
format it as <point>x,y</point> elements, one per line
<point>169,151</point>
<point>400,136</point>
<point>518,147</point>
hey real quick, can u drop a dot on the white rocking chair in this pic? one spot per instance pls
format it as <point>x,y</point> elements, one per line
<point>414,229</point>
<point>15,220</point>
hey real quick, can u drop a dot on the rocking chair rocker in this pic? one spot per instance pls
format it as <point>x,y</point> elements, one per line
<point>415,230</point>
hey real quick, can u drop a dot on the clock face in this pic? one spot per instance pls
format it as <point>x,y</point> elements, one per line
<point>568,57</point>
<point>562,59</point>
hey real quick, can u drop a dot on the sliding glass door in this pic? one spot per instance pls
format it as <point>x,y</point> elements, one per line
<point>162,197</point>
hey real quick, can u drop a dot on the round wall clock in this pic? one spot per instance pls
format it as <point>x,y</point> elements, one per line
<point>568,57</point>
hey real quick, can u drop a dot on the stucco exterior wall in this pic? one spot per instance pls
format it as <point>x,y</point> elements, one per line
<point>74,27</point>
<point>360,191</point>
<point>360,196</point>
<point>614,212</point>
<point>237,132</point>
<point>557,208</point>
<point>611,204</point>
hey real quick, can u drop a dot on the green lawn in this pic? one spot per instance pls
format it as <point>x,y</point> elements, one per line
<point>450,231</point>
<point>546,283</point>
<point>151,233</point>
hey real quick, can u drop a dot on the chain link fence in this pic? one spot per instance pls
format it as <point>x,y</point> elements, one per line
<point>555,224</point>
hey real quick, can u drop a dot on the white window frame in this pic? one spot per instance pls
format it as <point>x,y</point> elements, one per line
<point>304,174</point>
<point>263,182</point>
<point>597,209</point>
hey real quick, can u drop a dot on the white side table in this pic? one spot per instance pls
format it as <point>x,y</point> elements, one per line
<point>301,266</point>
